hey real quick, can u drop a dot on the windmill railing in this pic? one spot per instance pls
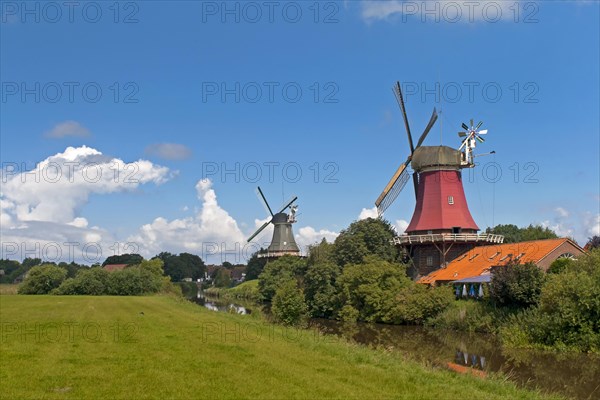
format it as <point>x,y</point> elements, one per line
<point>448,237</point>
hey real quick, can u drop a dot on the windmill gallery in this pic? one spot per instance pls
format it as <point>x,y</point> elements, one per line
<point>441,228</point>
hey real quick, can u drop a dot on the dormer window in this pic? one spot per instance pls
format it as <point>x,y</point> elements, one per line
<point>494,255</point>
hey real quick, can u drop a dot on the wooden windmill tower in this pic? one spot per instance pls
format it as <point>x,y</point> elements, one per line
<point>441,227</point>
<point>283,242</point>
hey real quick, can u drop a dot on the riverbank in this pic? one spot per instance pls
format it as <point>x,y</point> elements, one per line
<point>161,347</point>
<point>245,291</point>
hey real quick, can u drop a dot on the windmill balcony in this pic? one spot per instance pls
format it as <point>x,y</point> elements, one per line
<point>448,237</point>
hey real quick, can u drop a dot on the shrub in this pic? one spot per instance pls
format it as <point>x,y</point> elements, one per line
<point>320,290</point>
<point>276,272</point>
<point>470,316</point>
<point>517,285</point>
<point>288,306</point>
<point>416,303</point>
<point>42,279</point>
<point>92,281</point>
<point>568,314</point>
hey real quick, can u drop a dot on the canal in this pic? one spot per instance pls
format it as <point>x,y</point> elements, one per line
<point>573,375</point>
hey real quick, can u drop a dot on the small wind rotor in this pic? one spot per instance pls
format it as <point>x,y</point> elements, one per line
<point>471,136</point>
<point>268,208</point>
<point>401,176</point>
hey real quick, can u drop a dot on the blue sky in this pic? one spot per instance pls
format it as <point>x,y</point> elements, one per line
<point>162,68</point>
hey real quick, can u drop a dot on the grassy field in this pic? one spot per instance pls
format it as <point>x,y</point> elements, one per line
<point>76,347</point>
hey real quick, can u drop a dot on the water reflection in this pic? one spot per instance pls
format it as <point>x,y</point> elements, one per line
<point>574,375</point>
<point>216,304</point>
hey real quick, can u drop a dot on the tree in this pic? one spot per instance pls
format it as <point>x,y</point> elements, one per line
<point>288,306</point>
<point>42,279</point>
<point>593,243</point>
<point>222,278</point>
<point>31,262</point>
<point>321,253</point>
<point>320,290</point>
<point>517,285</point>
<point>255,266</point>
<point>129,259</point>
<point>277,272</point>
<point>365,237</point>
<point>227,264</point>
<point>370,288</point>
<point>514,234</point>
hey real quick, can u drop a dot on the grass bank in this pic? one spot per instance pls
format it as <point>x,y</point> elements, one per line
<point>244,291</point>
<point>75,347</point>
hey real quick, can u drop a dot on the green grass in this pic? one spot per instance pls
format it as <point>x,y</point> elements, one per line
<point>244,291</point>
<point>177,350</point>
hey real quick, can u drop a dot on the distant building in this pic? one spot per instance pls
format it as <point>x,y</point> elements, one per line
<point>114,267</point>
<point>477,263</point>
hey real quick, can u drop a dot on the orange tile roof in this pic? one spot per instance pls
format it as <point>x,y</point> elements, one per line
<point>114,267</point>
<point>479,260</point>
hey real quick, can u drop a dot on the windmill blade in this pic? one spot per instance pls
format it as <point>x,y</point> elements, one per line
<point>479,125</point>
<point>471,123</point>
<point>398,93</point>
<point>465,127</point>
<point>462,134</point>
<point>265,201</point>
<point>481,140</point>
<point>483,132</point>
<point>432,120</point>
<point>260,230</point>
<point>289,203</point>
<point>392,189</point>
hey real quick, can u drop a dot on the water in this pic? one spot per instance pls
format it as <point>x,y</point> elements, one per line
<point>570,374</point>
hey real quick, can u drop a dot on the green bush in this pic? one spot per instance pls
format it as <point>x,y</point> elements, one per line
<point>147,277</point>
<point>288,305</point>
<point>276,272</point>
<point>320,290</point>
<point>517,285</point>
<point>43,279</point>
<point>367,237</point>
<point>568,314</point>
<point>416,303</point>
<point>470,316</point>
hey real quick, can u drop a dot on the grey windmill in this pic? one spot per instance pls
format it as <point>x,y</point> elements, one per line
<point>283,242</point>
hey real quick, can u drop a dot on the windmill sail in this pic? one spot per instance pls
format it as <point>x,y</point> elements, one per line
<point>393,189</point>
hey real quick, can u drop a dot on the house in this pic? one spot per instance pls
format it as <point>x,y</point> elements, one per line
<point>479,261</point>
<point>114,267</point>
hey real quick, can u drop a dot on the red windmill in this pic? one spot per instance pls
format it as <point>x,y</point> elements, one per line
<point>441,227</point>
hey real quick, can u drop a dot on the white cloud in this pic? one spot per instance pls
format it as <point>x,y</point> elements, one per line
<point>401,226</point>
<point>591,225</point>
<point>432,11</point>
<point>210,232</point>
<point>40,208</point>
<point>59,186</point>
<point>68,128</point>
<point>169,151</point>
<point>368,213</point>
<point>308,235</point>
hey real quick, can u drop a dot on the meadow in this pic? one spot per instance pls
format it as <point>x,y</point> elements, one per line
<point>74,347</point>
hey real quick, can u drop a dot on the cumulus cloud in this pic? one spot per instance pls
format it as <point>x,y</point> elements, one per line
<point>68,128</point>
<point>368,213</point>
<point>400,226</point>
<point>438,11</point>
<point>308,235</point>
<point>169,151</point>
<point>209,233</point>
<point>59,186</point>
<point>40,208</point>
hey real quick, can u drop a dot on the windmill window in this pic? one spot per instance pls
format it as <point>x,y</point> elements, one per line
<point>429,261</point>
<point>450,199</point>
